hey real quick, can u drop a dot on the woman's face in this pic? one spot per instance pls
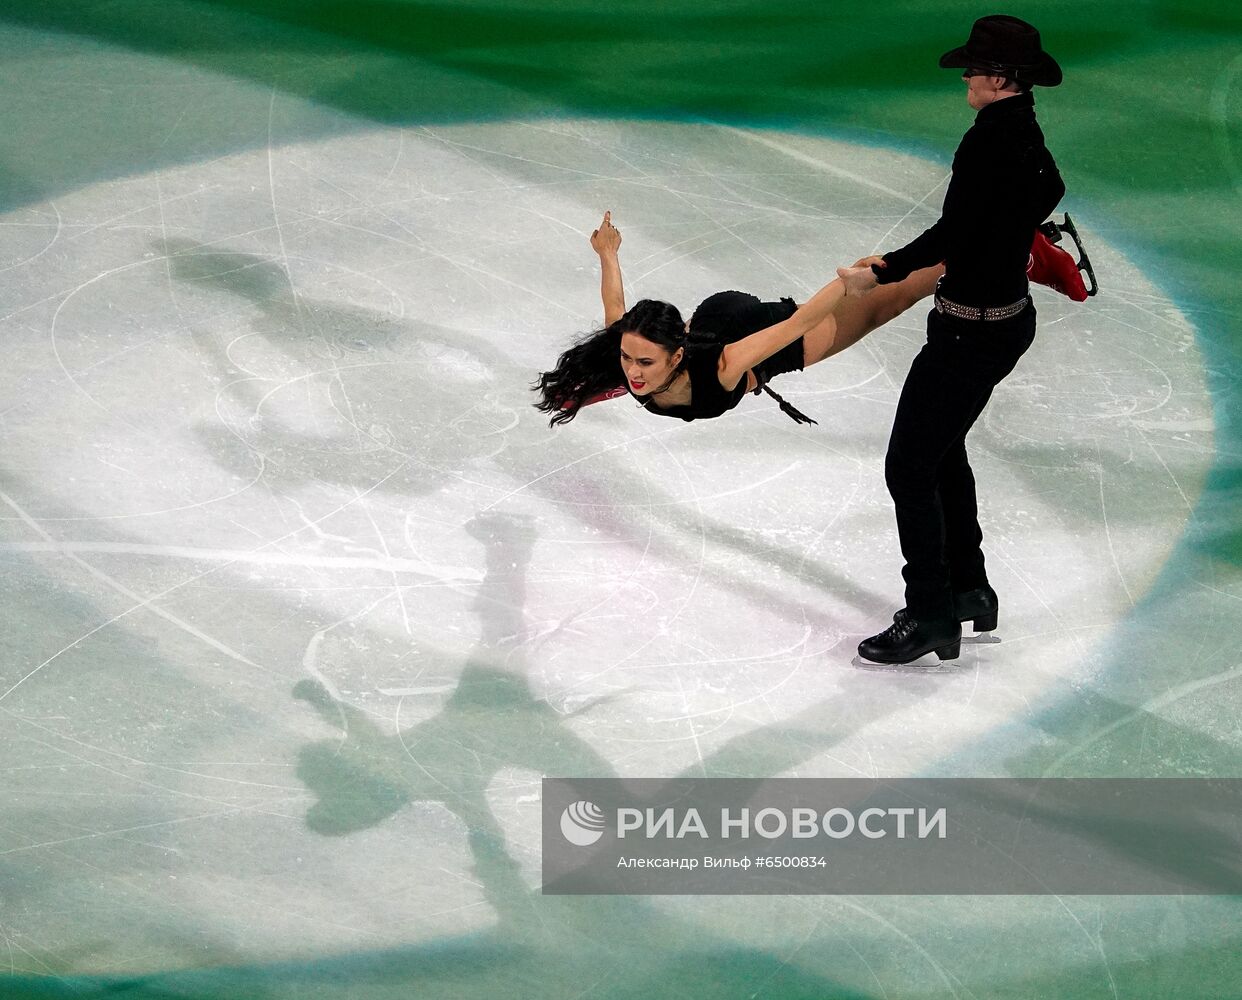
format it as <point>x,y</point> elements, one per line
<point>646,366</point>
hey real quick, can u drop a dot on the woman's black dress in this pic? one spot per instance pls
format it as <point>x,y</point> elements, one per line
<point>724,318</point>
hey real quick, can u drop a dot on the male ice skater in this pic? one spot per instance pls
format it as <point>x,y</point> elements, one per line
<point>1004,183</point>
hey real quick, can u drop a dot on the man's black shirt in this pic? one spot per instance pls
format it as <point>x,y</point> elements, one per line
<point>1003,186</point>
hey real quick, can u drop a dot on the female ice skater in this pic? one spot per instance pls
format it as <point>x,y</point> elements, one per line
<point>733,343</point>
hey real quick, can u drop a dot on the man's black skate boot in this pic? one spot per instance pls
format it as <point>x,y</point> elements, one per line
<point>908,639</point>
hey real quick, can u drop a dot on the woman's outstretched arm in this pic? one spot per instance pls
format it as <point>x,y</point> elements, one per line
<point>742,355</point>
<point>606,241</point>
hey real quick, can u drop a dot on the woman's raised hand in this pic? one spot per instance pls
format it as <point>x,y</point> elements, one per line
<point>607,238</point>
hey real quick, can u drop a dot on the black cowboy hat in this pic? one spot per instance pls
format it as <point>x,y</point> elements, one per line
<point>1008,45</point>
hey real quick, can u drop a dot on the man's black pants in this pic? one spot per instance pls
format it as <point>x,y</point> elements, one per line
<point>927,471</point>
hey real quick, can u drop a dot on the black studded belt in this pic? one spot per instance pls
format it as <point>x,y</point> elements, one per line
<point>984,313</point>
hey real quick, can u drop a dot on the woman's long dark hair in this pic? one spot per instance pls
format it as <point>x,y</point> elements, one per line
<point>593,365</point>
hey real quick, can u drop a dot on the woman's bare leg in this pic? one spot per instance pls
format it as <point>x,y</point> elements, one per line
<point>857,316</point>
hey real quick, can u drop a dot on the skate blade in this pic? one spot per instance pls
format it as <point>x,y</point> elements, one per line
<point>1053,231</point>
<point>982,639</point>
<point>928,663</point>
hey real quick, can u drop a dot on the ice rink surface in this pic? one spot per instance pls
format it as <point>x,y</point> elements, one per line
<point>302,596</point>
